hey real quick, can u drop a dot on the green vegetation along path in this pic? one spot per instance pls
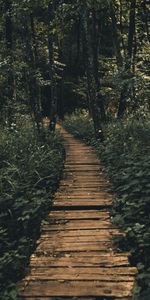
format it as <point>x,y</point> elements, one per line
<point>75,257</point>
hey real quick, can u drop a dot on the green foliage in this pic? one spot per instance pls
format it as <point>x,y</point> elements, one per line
<point>125,154</point>
<point>30,168</point>
<point>80,125</point>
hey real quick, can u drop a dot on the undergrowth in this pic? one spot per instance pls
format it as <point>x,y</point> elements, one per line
<point>125,155</point>
<point>30,168</point>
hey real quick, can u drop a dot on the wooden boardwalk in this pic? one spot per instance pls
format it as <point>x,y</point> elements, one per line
<point>75,256</point>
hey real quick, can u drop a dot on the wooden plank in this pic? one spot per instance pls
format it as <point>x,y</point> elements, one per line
<point>82,203</point>
<point>110,255</point>
<point>79,158</point>
<point>85,181</point>
<point>83,195</point>
<point>86,187</point>
<point>94,246</point>
<point>95,169</point>
<point>81,165</point>
<point>82,169</point>
<point>76,277</point>
<point>82,232</point>
<point>86,174</point>
<point>86,254</point>
<point>81,150</point>
<point>79,261</point>
<point>98,195</point>
<point>85,224</point>
<point>54,239</point>
<point>117,271</point>
<point>88,161</point>
<point>82,188</point>
<point>82,162</point>
<point>83,214</point>
<point>77,288</point>
<point>62,298</point>
<point>75,245</point>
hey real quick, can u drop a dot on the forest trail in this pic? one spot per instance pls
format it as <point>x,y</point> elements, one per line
<point>75,257</point>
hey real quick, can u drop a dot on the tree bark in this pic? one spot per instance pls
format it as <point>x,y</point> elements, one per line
<point>121,25</point>
<point>129,60</point>
<point>131,31</point>
<point>11,84</point>
<point>94,37</point>
<point>53,96</point>
<point>35,87</point>
<point>115,34</point>
<point>91,75</point>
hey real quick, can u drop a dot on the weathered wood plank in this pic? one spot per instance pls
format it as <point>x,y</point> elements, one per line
<point>76,277</point>
<point>93,246</point>
<point>85,181</point>
<point>79,239</point>
<point>75,260</point>
<point>86,271</point>
<point>82,232</point>
<point>75,224</point>
<point>83,214</point>
<point>81,203</point>
<point>77,288</point>
<point>84,195</point>
<point>63,298</point>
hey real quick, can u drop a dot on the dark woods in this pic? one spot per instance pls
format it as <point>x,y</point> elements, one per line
<point>60,55</point>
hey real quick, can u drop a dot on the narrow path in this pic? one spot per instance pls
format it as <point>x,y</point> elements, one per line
<point>75,257</point>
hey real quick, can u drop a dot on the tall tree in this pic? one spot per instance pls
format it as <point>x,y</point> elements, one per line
<point>11,87</point>
<point>90,40</point>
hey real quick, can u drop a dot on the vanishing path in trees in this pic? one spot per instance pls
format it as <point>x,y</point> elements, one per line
<point>75,256</point>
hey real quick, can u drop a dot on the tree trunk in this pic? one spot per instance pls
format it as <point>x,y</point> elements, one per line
<point>91,82</point>
<point>129,57</point>
<point>78,41</point>
<point>115,34</point>
<point>94,38</point>
<point>121,25</point>
<point>32,61</point>
<point>11,85</point>
<point>131,31</point>
<point>53,96</point>
<point>36,89</point>
<point>129,61</point>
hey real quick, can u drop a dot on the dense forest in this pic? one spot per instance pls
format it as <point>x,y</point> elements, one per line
<point>88,59</point>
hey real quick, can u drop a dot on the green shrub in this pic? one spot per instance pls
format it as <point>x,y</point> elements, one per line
<point>125,154</point>
<point>30,168</point>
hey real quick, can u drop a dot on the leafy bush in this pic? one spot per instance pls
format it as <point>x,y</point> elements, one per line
<point>30,167</point>
<point>125,154</point>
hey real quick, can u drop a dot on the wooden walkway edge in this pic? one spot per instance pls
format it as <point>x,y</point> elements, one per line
<point>75,257</point>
